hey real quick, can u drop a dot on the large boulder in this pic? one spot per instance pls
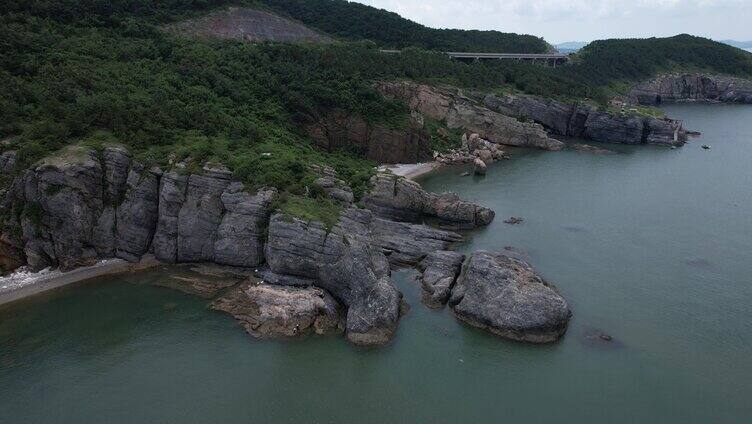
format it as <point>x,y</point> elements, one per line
<point>439,273</point>
<point>505,296</point>
<point>267,311</point>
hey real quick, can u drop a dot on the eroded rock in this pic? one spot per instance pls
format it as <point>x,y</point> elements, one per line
<point>505,296</point>
<point>440,271</point>
<point>267,311</point>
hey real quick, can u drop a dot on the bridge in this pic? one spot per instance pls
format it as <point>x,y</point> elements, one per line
<point>551,59</point>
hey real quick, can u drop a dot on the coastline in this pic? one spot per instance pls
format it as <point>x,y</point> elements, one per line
<point>22,284</point>
<point>411,171</point>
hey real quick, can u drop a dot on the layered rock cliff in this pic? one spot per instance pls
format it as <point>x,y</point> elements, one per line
<point>692,87</point>
<point>583,121</point>
<point>459,111</point>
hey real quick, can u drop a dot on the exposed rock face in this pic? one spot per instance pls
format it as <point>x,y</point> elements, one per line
<point>7,162</point>
<point>267,311</point>
<point>240,233</point>
<point>400,199</point>
<point>251,25</point>
<point>459,111</point>
<point>77,207</point>
<point>440,271</point>
<point>338,130</point>
<point>692,87</point>
<point>577,120</point>
<point>345,262</point>
<point>407,244</point>
<point>506,296</point>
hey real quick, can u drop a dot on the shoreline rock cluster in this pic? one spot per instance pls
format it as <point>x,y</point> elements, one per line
<point>584,121</point>
<point>474,150</point>
<point>692,87</point>
<point>82,206</point>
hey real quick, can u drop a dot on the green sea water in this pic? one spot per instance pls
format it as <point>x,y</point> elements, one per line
<point>649,245</point>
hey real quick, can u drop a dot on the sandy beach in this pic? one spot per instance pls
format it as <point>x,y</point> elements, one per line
<point>23,283</point>
<point>411,171</point>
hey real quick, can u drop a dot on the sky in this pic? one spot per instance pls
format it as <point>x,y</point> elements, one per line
<point>584,20</point>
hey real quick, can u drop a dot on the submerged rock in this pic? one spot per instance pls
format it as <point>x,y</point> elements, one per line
<point>505,296</point>
<point>440,271</point>
<point>267,311</point>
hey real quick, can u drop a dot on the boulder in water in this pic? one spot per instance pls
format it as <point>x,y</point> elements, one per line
<point>505,296</point>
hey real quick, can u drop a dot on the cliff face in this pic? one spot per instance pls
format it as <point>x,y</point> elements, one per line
<point>79,206</point>
<point>338,130</point>
<point>574,120</point>
<point>459,111</point>
<point>692,87</point>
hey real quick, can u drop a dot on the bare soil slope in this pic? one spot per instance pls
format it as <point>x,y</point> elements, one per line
<point>249,25</point>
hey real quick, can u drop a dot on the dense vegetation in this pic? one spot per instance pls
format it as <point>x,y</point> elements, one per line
<point>95,71</point>
<point>356,21</point>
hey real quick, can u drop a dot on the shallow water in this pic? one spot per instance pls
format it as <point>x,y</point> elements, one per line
<point>651,246</point>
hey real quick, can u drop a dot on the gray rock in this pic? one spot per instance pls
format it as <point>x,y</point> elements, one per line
<point>479,167</point>
<point>397,198</point>
<point>199,218</point>
<point>172,192</point>
<point>240,233</point>
<point>580,120</point>
<point>408,244</point>
<point>335,188</point>
<point>506,296</point>
<point>63,200</point>
<point>609,128</point>
<point>137,215</point>
<point>267,311</point>
<point>692,87</point>
<point>459,111</point>
<point>439,273</point>
<point>7,162</point>
<point>344,261</point>
<point>116,163</point>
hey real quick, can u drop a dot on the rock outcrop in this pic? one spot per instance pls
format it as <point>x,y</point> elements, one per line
<point>80,205</point>
<point>397,198</point>
<point>692,87</point>
<point>268,311</point>
<point>346,263</point>
<point>440,270</point>
<point>506,296</point>
<point>583,121</point>
<point>458,111</point>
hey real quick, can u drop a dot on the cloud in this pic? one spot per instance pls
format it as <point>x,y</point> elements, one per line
<point>582,19</point>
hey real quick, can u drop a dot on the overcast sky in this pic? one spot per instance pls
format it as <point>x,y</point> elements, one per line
<point>584,20</point>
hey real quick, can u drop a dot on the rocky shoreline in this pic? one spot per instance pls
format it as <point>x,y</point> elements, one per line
<point>82,206</point>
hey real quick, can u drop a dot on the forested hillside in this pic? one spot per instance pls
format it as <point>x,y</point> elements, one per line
<point>356,21</point>
<point>98,71</point>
